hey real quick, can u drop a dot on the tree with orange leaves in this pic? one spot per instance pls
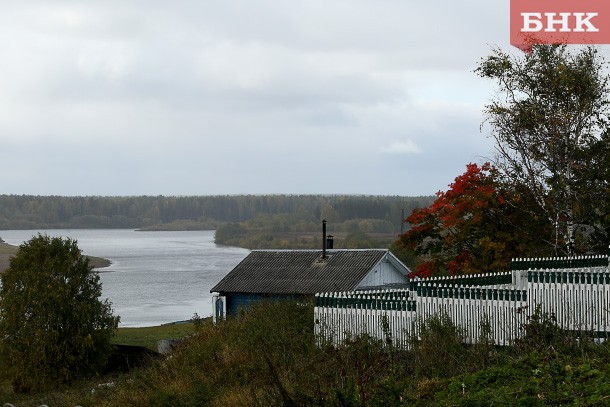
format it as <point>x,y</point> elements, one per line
<point>476,226</point>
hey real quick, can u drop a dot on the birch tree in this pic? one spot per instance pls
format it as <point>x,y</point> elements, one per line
<point>550,110</point>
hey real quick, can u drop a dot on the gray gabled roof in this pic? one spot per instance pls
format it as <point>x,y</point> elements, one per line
<point>299,271</point>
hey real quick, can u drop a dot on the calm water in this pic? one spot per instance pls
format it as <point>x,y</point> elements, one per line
<point>155,277</point>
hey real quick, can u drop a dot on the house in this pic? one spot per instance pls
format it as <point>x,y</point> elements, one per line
<point>294,274</point>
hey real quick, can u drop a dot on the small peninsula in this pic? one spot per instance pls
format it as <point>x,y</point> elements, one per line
<point>7,251</point>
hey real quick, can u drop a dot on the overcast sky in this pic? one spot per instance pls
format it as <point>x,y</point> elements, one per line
<point>255,96</point>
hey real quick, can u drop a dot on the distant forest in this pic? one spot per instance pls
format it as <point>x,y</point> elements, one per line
<point>254,221</point>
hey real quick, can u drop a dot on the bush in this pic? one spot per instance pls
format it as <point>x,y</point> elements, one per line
<point>543,335</point>
<point>53,327</point>
<point>439,351</point>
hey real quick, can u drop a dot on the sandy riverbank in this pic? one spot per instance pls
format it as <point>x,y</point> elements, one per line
<point>7,250</point>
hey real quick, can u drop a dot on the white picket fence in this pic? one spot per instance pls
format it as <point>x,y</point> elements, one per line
<point>496,312</point>
<point>578,298</point>
<point>496,305</point>
<point>342,316</point>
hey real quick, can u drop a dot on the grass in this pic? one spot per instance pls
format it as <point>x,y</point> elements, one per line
<point>149,336</point>
<point>268,356</point>
<point>145,336</point>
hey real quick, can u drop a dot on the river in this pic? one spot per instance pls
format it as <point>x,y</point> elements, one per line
<point>155,277</point>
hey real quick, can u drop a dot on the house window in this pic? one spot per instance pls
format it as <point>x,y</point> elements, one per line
<point>219,308</point>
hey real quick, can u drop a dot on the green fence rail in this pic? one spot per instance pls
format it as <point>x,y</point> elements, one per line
<point>559,262</point>
<point>471,293</point>
<point>385,301</point>
<point>570,276</point>
<point>465,280</point>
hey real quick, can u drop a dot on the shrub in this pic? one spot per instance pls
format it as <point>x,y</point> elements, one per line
<point>53,327</point>
<point>439,351</point>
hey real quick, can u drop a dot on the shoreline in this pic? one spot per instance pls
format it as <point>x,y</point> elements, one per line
<point>7,251</point>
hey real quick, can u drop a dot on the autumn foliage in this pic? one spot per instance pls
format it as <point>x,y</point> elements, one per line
<point>475,226</point>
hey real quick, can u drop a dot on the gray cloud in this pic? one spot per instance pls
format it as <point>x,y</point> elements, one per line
<point>149,97</point>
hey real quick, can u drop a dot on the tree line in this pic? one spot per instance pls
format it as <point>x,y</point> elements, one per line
<point>35,212</point>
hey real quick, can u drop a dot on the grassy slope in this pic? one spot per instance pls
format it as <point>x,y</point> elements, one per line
<point>149,336</point>
<point>268,357</point>
<point>146,336</point>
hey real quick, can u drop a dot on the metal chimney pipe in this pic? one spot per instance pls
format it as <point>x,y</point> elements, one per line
<point>329,242</point>
<point>324,239</point>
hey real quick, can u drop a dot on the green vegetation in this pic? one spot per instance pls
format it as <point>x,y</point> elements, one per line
<point>149,336</point>
<point>145,336</point>
<point>290,232</point>
<point>549,119</point>
<point>268,356</point>
<point>53,326</point>
<point>183,224</point>
<point>356,222</point>
<point>187,212</point>
<point>255,222</point>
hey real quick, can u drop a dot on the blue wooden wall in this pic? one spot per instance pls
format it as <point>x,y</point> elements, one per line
<point>238,301</point>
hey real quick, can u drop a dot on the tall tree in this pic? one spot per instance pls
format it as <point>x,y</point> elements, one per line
<point>476,226</point>
<point>595,205</point>
<point>550,112</point>
<point>53,326</point>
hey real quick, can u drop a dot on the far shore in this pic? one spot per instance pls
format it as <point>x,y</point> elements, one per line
<point>7,251</point>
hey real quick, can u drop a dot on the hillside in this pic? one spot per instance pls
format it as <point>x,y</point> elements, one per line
<point>269,357</point>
